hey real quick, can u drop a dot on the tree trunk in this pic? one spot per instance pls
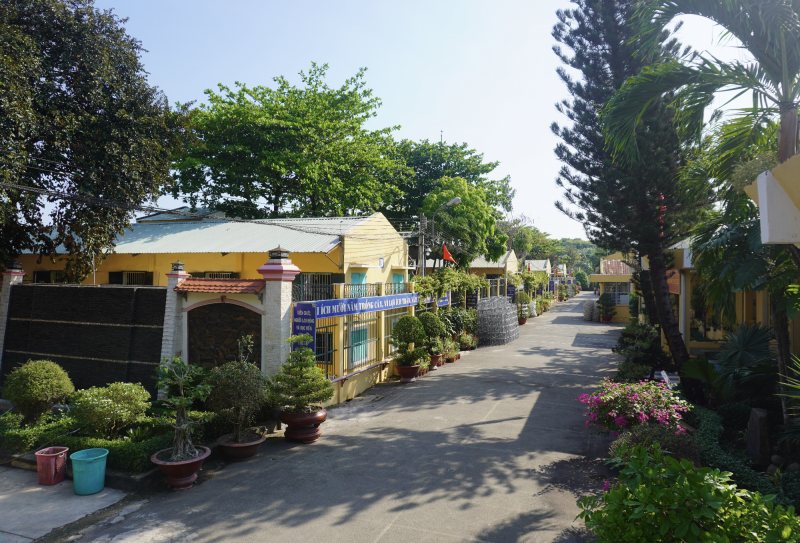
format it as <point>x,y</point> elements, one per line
<point>788,141</point>
<point>649,300</point>
<point>780,323</point>
<point>658,275</point>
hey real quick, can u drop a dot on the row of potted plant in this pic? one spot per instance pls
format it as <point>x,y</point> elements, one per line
<point>422,344</point>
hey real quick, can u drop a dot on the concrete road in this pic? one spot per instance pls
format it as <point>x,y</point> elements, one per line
<point>491,448</point>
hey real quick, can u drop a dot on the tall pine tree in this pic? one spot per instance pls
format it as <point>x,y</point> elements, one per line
<point>640,209</point>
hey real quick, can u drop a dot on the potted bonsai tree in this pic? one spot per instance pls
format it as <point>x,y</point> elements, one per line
<point>607,309</point>
<point>181,462</point>
<point>238,389</point>
<point>407,334</point>
<point>298,389</point>
<point>523,306</point>
<point>434,331</point>
<point>561,292</point>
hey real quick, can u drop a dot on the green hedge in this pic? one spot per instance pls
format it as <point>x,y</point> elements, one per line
<point>709,429</point>
<point>122,453</point>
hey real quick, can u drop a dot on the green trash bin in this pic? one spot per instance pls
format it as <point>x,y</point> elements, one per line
<point>89,471</point>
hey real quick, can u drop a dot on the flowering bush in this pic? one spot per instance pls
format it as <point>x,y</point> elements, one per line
<point>614,407</point>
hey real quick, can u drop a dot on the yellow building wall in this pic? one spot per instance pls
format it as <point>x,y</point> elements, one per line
<point>623,311</point>
<point>369,242</point>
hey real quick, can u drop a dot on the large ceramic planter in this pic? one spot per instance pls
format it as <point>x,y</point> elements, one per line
<point>181,475</point>
<point>606,318</point>
<point>435,360</point>
<point>303,427</point>
<point>522,321</point>
<point>408,374</point>
<point>560,299</point>
<point>236,452</point>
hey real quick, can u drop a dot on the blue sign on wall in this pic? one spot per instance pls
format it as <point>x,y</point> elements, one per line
<point>354,306</point>
<point>511,290</point>
<point>472,299</point>
<point>304,321</point>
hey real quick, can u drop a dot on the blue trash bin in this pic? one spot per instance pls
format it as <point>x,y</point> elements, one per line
<point>89,471</point>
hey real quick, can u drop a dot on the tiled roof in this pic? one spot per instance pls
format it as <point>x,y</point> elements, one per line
<point>228,286</point>
<point>615,267</point>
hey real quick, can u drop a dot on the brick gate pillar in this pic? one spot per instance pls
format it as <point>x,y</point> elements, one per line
<point>172,337</point>
<point>278,272</point>
<point>11,276</point>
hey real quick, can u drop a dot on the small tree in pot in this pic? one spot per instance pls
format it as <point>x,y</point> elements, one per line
<point>434,331</point>
<point>409,331</point>
<point>298,389</point>
<point>607,309</point>
<point>185,459</point>
<point>237,391</point>
<point>523,306</point>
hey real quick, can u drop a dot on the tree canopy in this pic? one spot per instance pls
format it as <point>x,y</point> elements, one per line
<point>299,151</point>
<point>76,116</point>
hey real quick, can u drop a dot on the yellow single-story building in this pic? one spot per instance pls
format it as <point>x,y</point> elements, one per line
<point>352,250</point>
<point>614,278</point>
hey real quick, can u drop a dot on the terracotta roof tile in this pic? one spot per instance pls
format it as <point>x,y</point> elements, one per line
<point>229,286</point>
<point>615,267</point>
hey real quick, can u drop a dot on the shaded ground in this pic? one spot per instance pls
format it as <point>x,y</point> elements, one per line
<point>491,448</point>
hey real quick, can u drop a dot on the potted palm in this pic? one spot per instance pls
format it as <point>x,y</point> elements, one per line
<point>434,331</point>
<point>607,309</point>
<point>181,462</point>
<point>408,359</point>
<point>523,306</point>
<point>298,389</point>
<point>238,389</point>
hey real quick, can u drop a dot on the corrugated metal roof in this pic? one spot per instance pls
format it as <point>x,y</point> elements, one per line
<point>160,217</point>
<point>537,265</point>
<point>481,262</point>
<point>614,267</point>
<point>317,235</point>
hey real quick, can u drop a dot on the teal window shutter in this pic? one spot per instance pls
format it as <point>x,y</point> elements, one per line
<point>358,278</point>
<point>358,346</point>
<point>398,278</point>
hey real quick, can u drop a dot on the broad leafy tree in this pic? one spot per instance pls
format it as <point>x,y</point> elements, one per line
<point>77,116</point>
<point>302,151</point>
<point>432,162</point>
<point>641,209</point>
<point>472,222</point>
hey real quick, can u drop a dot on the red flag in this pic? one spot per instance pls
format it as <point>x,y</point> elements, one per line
<point>446,254</point>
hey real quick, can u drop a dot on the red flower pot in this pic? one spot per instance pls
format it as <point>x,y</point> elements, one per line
<point>303,427</point>
<point>560,299</point>
<point>450,360</point>
<point>181,475</point>
<point>408,374</point>
<point>236,452</point>
<point>606,318</point>
<point>522,321</point>
<point>435,360</point>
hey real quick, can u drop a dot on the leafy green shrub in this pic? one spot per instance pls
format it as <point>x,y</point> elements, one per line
<point>523,304</point>
<point>633,306</point>
<point>659,499</point>
<point>106,411</point>
<point>35,386</point>
<point>607,305</point>
<point>432,324</point>
<point>628,372</point>
<point>678,445</point>
<point>237,391</point>
<point>300,386</point>
<point>734,417</point>
<point>465,341</point>
<point>641,344</point>
<point>709,429</point>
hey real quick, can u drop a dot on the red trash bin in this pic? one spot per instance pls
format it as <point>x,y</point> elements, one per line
<point>51,463</point>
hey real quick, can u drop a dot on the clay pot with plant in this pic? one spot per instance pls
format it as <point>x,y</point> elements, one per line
<point>299,389</point>
<point>181,462</point>
<point>408,335</point>
<point>607,309</point>
<point>434,331</point>
<point>523,302</point>
<point>238,389</point>
<point>451,350</point>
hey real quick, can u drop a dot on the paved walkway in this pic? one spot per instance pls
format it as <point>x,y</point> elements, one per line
<point>491,448</point>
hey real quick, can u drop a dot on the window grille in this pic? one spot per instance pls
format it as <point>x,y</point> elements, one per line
<point>218,275</point>
<point>619,292</point>
<point>390,319</point>
<point>361,340</point>
<point>134,278</point>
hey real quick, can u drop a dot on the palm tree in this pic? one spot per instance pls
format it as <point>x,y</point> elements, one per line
<point>768,29</point>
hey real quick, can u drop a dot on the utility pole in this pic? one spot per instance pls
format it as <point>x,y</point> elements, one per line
<point>423,224</point>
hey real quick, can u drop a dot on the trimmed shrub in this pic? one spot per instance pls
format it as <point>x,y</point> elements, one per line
<point>641,344</point>
<point>106,411</point>
<point>628,372</point>
<point>35,387</point>
<point>433,326</point>
<point>709,429</point>
<point>607,305</point>
<point>678,445</point>
<point>588,310</point>
<point>300,386</point>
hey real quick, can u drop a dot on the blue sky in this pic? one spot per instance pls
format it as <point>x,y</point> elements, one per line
<point>481,72</point>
